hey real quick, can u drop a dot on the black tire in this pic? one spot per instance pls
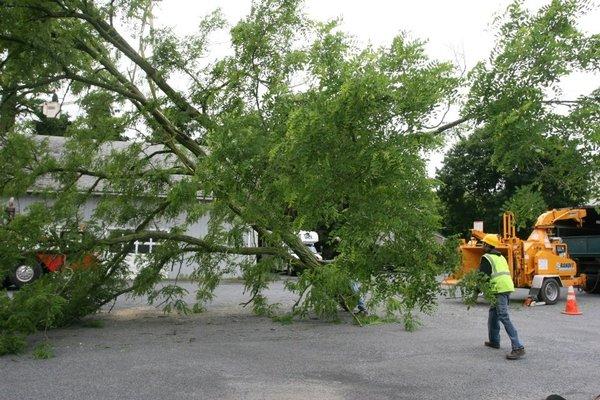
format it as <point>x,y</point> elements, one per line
<point>5,283</point>
<point>25,273</point>
<point>592,284</point>
<point>550,291</point>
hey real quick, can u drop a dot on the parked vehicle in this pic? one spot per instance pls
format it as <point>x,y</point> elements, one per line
<point>309,239</point>
<point>563,250</point>
<point>26,271</point>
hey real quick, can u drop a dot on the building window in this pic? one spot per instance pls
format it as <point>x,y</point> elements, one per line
<point>145,247</point>
<point>139,246</point>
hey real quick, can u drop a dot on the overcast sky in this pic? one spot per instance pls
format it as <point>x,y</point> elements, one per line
<point>456,30</point>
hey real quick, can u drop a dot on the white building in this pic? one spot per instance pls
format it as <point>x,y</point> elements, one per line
<point>198,229</point>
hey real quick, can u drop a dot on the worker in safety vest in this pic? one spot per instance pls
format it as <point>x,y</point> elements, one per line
<point>494,265</point>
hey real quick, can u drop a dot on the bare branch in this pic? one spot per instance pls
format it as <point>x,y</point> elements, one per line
<point>32,85</point>
<point>198,245</point>
<point>571,102</point>
<point>99,174</point>
<point>450,125</point>
<point>156,153</point>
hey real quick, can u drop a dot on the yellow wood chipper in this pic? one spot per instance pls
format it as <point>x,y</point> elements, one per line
<point>563,250</point>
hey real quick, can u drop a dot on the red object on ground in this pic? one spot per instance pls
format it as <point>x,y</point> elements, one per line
<point>571,307</point>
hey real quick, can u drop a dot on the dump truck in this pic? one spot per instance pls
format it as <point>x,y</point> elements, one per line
<point>562,250</point>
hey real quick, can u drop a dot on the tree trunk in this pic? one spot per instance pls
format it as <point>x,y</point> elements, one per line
<point>8,112</point>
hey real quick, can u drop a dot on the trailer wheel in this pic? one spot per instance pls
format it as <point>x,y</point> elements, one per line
<point>25,273</point>
<point>549,292</point>
<point>592,284</point>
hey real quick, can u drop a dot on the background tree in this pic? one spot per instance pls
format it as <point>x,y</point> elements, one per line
<point>528,138</point>
<point>474,188</point>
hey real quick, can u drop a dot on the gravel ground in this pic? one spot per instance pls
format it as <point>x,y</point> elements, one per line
<point>227,353</point>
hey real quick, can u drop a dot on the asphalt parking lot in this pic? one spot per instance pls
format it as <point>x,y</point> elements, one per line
<point>227,353</point>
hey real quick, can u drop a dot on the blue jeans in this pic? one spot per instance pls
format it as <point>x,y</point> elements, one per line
<point>499,313</point>
<point>361,302</point>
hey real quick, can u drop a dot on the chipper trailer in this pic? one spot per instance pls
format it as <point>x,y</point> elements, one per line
<point>563,250</point>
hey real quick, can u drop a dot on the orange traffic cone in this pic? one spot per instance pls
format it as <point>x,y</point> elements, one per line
<point>571,307</point>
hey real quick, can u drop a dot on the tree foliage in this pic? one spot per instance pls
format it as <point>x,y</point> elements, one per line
<point>528,137</point>
<point>474,188</point>
<point>297,129</point>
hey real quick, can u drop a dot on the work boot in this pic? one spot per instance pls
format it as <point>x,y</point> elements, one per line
<point>492,345</point>
<point>516,354</point>
<point>363,312</point>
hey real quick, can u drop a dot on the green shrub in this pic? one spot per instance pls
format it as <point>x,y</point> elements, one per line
<point>43,351</point>
<point>285,319</point>
<point>12,344</point>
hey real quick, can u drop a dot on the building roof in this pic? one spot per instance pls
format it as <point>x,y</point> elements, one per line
<point>58,145</point>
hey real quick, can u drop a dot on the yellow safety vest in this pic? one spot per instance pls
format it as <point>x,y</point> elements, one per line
<point>501,280</point>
